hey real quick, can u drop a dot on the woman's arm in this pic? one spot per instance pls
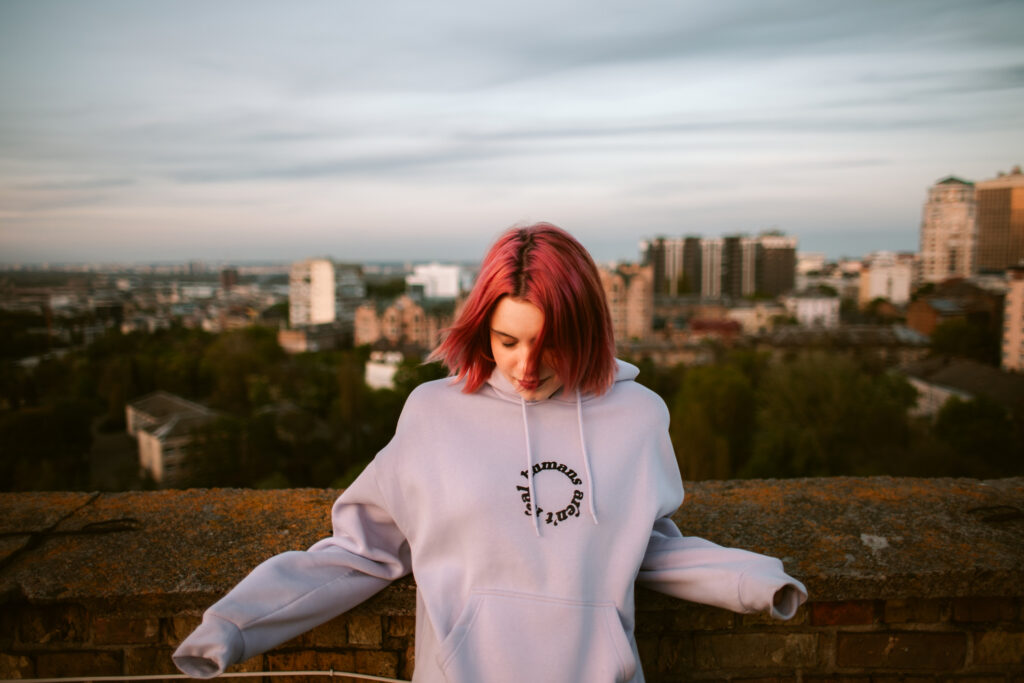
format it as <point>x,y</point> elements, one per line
<point>698,570</point>
<point>296,591</point>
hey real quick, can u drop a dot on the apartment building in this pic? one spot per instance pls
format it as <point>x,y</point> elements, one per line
<point>1000,221</point>
<point>629,290</point>
<point>401,322</point>
<point>886,275</point>
<point>311,297</point>
<point>948,231</point>
<point>734,266</point>
<point>1013,321</point>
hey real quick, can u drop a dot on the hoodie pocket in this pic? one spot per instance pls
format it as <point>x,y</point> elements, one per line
<point>502,636</point>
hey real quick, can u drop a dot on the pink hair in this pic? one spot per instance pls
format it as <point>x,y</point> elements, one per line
<point>545,266</point>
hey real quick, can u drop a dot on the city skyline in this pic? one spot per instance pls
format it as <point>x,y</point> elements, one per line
<point>252,132</point>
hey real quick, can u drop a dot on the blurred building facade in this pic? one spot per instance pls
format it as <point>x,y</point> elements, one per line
<point>629,289</point>
<point>1000,217</point>
<point>1012,351</point>
<point>948,230</point>
<point>886,275</point>
<point>734,266</point>
<point>311,296</point>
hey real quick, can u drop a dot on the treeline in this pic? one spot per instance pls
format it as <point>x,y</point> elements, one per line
<point>825,413</point>
<point>304,420</point>
<point>310,419</point>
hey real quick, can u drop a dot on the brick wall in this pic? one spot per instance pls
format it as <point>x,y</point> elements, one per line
<point>911,580</point>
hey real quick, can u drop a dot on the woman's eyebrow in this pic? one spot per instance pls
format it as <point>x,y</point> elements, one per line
<point>503,334</point>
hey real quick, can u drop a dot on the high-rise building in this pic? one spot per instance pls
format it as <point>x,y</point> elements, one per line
<point>711,268</point>
<point>948,231</point>
<point>739,266</point>
<point>311,293</point>
<point>1000,221</point>
<point>735,266</point>
<point>776,264</point>
<point>228,278</point>
<point>1013,321</point>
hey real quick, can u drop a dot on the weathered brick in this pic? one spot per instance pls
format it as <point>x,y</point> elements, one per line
<point>377,663</point>
<point>901,650</point>
<point>409,662</point>
<point>364,630</point>
<point>176,629</point>
<point>308,660</point>
<point>647,646</point>
<point>845,613</point>
<point>674,656</point>
<point>67,664</point>
<point>120,631</point>
<point>912,610</point>
<point>984,609</point>
<point>974,679</point>
<point>401,627</point>
<point>149,660</point>
<point>15,667</point>
<point>332,634</point>
<point>755,650</point>
<point>8,627</point>
<point>701,618</point>
<point>838,679</point>
<point>999,647</point>
<point>58,624</point>
<point>801,618</point>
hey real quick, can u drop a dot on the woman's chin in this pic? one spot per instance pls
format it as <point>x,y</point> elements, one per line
<point>539,392</point>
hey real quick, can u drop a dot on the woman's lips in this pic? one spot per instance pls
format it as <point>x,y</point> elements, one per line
<point>531,384</point>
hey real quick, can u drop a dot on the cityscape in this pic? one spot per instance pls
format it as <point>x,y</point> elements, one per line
<point>948,320</point>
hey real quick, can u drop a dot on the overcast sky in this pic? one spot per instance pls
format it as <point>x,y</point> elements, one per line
<point>155,131</point>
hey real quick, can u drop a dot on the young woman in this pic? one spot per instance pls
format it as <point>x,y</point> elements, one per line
<point>527,495</point>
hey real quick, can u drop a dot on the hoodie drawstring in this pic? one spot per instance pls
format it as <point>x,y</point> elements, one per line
<point>529,469</point>
<point>529,463</point>
<point>586,456</point>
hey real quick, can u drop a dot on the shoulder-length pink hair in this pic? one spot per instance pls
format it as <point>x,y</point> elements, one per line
<point>545,266</point>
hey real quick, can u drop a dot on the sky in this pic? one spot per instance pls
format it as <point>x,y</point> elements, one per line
<point>237,131</point>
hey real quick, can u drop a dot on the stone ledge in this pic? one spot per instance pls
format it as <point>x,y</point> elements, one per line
<point>846,538</point>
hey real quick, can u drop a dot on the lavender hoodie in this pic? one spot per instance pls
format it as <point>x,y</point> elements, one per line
<point>526,525</point>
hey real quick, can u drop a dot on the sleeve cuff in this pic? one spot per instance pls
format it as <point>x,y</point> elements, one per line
<point>210,649</point>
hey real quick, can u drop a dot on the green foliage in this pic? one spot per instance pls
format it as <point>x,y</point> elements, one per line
<point>22,334</point>
<point>239,362</point>
<point>712,421</point>
<point>967,339</point>
<point>981,437</point>
<point>310,419</point>
<point>823,415</point>
<point>45,448</point>
<point>385,289</point>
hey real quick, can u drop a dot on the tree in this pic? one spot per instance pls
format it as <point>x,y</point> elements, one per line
<point>981,435</point>
<point>967,339</point>
<point>46,448</point>
<point>821,414</point>
<point>712,422</point>
<point>238,362</point>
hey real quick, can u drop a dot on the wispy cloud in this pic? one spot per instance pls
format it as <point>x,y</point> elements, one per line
<point>618,118</point>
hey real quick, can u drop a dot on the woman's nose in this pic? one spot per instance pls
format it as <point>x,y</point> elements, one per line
<point>522,361</point>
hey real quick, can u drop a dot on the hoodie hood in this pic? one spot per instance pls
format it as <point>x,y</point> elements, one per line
<point>624,372</point>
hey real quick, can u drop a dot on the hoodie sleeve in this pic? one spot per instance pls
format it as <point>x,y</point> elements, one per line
<point>295,591</point>
<point>694,569</point>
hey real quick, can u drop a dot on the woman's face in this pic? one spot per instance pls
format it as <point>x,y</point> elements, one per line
<point>515,326</point>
